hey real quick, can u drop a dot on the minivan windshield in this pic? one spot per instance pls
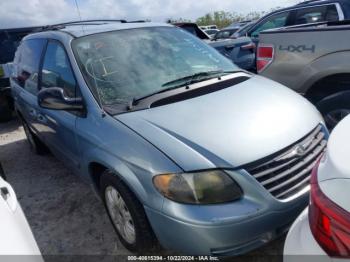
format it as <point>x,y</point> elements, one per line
<point>127,64</point>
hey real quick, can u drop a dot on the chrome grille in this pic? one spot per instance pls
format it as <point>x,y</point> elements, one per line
<point>289,172</point>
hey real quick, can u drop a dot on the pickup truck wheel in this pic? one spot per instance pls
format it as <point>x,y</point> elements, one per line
<point>126,214</point>
<point>35,144</point>
<point>5,109</point>
<point>334,108</point>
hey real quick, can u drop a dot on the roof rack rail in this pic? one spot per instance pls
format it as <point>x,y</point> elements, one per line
<point>137,21</point>
<point>309,2</point>
<point>86,22</point>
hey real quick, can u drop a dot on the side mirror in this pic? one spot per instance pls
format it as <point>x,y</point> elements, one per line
<point>2,173</point>
<point>55,99</point>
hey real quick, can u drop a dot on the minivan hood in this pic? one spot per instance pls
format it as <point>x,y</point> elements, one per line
<point>227,128</point>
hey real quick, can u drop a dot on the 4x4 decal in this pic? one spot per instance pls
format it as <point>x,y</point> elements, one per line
<point>299,48</point>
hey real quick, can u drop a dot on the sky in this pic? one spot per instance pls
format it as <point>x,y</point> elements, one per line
<point>20,13</point>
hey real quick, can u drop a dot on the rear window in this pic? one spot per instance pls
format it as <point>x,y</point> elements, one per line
<point>10,39</point>
<point>28,64</point>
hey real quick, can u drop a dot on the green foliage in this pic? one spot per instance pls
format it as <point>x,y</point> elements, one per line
<point>223,19</point>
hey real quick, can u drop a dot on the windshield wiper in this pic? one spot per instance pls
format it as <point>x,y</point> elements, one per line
<point>183,81</point>
<point>197,77</point>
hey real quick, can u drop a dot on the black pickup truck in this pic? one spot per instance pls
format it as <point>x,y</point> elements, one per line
<point>9,41</point>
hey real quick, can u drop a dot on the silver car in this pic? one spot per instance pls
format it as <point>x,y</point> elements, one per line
<point>184,147</point>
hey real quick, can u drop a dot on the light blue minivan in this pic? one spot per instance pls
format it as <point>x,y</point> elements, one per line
<point>184,147</point>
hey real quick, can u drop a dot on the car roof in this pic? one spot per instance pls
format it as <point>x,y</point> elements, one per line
<point>89,28</point>
<point>307,4</point>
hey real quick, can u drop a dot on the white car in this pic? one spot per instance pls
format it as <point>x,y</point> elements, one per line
<point>16,235</point>
<point>324,228</point>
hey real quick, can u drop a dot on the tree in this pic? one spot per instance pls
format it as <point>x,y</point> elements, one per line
<point>223,19</point>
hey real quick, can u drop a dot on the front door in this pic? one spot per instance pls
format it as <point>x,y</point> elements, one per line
<point>59,128</point>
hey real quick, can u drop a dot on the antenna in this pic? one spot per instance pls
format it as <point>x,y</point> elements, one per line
<point>78,10</point>
<point>79,14</point>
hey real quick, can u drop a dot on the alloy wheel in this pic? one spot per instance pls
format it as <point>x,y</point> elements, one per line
<point>120,215</point>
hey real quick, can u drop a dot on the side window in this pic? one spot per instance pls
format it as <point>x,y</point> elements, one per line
<point>274,21</point>
<point>28,67</point>
<point>316,14</point>
<point>57,71</point>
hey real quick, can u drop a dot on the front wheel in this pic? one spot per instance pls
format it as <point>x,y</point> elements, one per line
<point>126,214</point>
<point>334,108</point>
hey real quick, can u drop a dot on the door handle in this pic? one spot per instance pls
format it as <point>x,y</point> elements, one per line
<point>7,193</point>
<point>4,193</point>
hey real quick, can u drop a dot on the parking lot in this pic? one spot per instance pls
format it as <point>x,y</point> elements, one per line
<point>211,126</point>
<point>63,212</point>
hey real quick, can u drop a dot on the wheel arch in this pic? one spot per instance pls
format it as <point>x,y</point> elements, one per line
<point>96,170</point>
<point>97,167</point>
<point>328,85</point>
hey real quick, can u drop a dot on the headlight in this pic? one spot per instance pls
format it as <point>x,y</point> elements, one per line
<point>209,187</point>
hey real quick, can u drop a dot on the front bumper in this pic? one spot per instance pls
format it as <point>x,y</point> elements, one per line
<point>222,230</point>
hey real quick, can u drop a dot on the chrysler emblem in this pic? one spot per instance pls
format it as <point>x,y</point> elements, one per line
<point>298,151</point>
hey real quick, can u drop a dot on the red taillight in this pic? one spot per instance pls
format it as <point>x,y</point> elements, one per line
<point>329,223</point>
<point>264,57</point>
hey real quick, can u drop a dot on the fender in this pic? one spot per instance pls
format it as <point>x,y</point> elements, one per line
<point>120,149</point>
<point>142,189</point>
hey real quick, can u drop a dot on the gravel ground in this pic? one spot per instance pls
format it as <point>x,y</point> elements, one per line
<point>65,215</point>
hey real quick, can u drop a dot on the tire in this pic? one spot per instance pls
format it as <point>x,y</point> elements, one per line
<point>334,108</point>
<point>143,239</point>
<point>5,109</point>
<point>35,144</point>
